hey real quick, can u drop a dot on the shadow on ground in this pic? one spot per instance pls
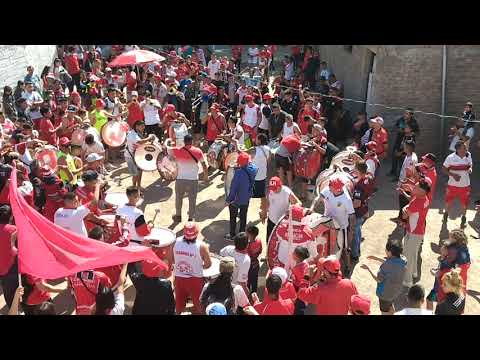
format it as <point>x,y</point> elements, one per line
<point>214,235</point>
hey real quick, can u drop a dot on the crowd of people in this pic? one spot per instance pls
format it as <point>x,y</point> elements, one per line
<point>266,110</point>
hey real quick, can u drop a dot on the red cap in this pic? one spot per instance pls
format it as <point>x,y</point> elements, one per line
<point>64,141</point>
<point>360,305</point>
<point>152,269</point>
<point>275,183</point>
<point>243,159</point>
<point>267,97</point>
<point>297,213</point>
<point>190,230</point>
<point>170,108</point>
<point>93,91</point>
<point>248,98</point>
<point>74,94</point>
<point>330,264</point>
<point>100,103</point>
<point>371,145</point>
<point>336,184</point>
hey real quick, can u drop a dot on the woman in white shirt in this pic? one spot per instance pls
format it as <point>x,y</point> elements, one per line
<point>261,159</point>
<point>111,301</point>
<point>289,127</point>
<point>150,109</point>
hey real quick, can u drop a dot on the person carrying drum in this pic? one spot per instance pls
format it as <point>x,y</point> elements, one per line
<point>191,257</point>
<point>283,157</point>
<point>136,137</point>
<point>215,123</point>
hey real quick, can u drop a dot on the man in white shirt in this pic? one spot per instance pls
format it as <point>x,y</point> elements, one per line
<point>416,299</point>
<point>279,198</point>
<point>34,101</point>
<point>135,138</point>
<point>410,159</point>
<point>339,207</point>
<point>213,67</point>
<point>242,260</point>
<point>261,159</point>
<point>150,109</point>
<point>253,55</point>
<point>458,167</point>
<point>137,226</point>
<point>463,131</point>
<point>71,216</point>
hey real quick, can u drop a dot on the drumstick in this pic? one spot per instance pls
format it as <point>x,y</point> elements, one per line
<point>157,211</point>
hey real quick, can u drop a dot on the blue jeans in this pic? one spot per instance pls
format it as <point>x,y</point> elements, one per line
<point>357,236</point>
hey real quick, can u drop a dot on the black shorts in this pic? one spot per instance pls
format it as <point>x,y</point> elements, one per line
<point>385,305</point>
<point>259,188</point>
<point>282,162</point>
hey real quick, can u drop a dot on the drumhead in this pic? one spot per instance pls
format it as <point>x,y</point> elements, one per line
<point>47,157</point>
<point>164,236</point>
<point>114,133</point>
<point>214,270</point>
<point>315,219</point>
<point>146,156</point>
<point>116,198</point>
<point>167,167</point>
<point>231,160</point>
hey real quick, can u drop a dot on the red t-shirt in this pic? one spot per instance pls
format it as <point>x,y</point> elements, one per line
<point>381,138</point>
<point>331,297</point>
<point>85,291</point>
<point>417,218</point>
<point>287,291</point>
<point>44,132</point>
<point>72,65</point>
<point>215,126</point>
<point>292,143</point>
<point>275,307</point>
<point>254,249</point>
<point>302,123</point>
<point>131,79</point>
<point>37,296</point>
<point>7,251</point>
<point>299,272</point>
<point>432,175</point>
<point>134,114</point>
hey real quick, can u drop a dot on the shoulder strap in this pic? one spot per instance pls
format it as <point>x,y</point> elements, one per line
<point>193,157</point>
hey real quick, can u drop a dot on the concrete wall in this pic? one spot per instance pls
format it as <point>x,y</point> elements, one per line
<point>14,60</point>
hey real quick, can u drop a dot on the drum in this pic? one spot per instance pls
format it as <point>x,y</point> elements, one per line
<point>230,160</point>
<point>307,162</point>
<point>162,241</point>
<point>114,133</point>
<point>111,231</point>
<point>324,232</point>
<point>167,167</point>
<point>229,165</point>
<point>215,154</point>
<point>213,271</point>
<point>146,156</point>
<point>78,137</point>
<point>345,160</point>
<point>47,156</point>
<point>326,175</point>
<point>116,198</point>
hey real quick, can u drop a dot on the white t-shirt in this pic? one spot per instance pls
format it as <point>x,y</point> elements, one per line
<point>242,264</point>
<point>241,92</point>
<point>96,147</point>
<point>119,307</point>
<point>239,132</point>
<point>409,160</point>
<point>213,68</point>
<point>132,139</point>
<point>151,113</point>
<point>251,115</point>
<point>455,160</point>
<point>470,133</point>
<point>253,55</point>
<point>91,130</point>
<point>72,219</point>
<point>289,130</point>
<point>278,203</point>
<point>414,311</point>
<point>261,160</point>
<point>187,258</point>
<point>338,207</point>
<point>131,213</point>
<point>264,122</point>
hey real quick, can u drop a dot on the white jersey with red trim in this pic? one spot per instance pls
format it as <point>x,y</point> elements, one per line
<point>187,258</point>
<point>137,227</point>
<point>459,166</point>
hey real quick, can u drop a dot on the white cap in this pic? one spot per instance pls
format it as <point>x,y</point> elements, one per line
<point>280,272</point>
<point>93,157</point>
<point>378,120</point>
<point>134,93</point>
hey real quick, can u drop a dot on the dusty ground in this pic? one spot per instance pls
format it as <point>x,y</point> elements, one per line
<point>213,219</point>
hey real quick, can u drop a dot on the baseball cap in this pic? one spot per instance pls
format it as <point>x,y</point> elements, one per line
<point>190,230</point>
<point>275,183</point>
<point>64,141</point>
<point>468,103</point>
<point>107,69</point>
<point>360,305</point>
<point>248,97</point>
<point>93,157</point>
<point>330,264</point>
<point>267,97</point>
<point>430,158</point>
<point>152,269</point>
<point>227,264</point>
<point>281,273</point>
<point>90,175</point>
<point>243,159</point>
<point>371,145</point>
<point>134,93</point>
<point>216,309</point>
<point>377,120</point>
<point>336,183</point>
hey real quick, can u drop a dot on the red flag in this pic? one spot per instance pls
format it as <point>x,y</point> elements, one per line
<point>48,251</point>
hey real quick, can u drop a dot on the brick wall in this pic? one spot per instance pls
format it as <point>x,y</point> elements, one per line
<point>14,60</point>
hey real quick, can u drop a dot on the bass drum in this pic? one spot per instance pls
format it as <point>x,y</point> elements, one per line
<point>167,167</point>
<point>215,154</point>
<point>146,156</point>
<point>324,232</point>
<point>47,157</point>
<point>114,133</point>
<point>345,160</point>
<point>229,165</point>
<point>307,162</point>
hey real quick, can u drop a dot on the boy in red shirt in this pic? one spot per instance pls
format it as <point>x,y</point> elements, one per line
<point>300,275</point>
<point>47,132</point>
<point>254,249</point>
<point>216,123</point>
<point>273,304</point>
<point>380,136</point>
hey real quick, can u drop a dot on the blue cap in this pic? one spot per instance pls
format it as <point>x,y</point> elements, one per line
<point>216,309</point>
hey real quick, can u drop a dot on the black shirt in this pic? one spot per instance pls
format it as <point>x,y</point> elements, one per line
<point>290,107</point>
<point>276,123</point>
<point>452,305</point>
<point>154,296</point>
